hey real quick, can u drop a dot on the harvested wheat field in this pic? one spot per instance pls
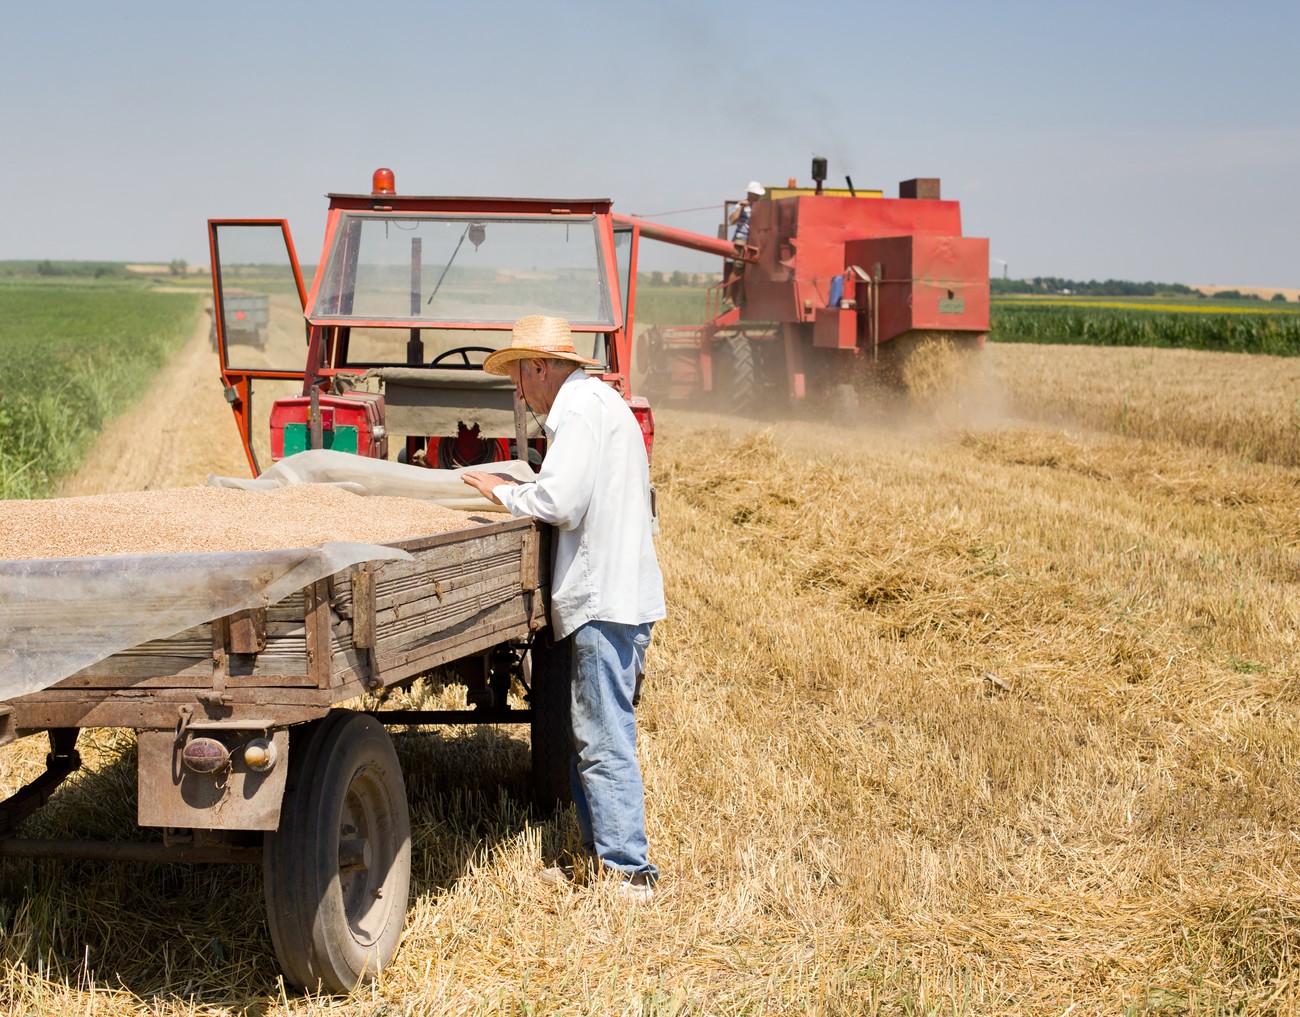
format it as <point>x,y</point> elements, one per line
<point>981,717</point>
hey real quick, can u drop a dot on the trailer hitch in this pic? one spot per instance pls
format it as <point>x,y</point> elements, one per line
<point>61,761</point>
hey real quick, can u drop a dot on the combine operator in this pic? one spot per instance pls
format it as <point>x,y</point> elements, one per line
<point>740,215</point>
<point>606,589</point>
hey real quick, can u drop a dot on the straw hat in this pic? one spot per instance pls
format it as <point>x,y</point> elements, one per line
<point>536,335</point>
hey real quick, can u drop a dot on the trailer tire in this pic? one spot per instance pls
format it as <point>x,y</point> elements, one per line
<point>551,729</point>
<point>337,872</point>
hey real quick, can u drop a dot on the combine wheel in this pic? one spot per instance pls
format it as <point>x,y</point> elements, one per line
<point>337,872</point>
<point>551,728</point>
<point>735,379</point>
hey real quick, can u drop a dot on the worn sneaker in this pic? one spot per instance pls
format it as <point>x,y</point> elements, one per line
<point>556,875</point>
<point>636,889</point>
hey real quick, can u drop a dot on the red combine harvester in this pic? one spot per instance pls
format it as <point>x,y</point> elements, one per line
<point>410,295</point>
<point>833,286</point>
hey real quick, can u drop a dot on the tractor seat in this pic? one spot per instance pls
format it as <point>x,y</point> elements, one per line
<point>426,401</point>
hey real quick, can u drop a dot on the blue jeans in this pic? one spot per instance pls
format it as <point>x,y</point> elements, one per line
<point>607,658</point>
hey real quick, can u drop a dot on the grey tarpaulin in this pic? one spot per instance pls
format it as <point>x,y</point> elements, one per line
<point>362,475</point>
<point>58,615</point>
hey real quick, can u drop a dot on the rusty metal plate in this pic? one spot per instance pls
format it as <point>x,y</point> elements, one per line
<point>248,631</point>
<point>237,798</point>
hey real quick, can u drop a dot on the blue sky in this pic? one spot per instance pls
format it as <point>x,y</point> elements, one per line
<point>1136,140</point>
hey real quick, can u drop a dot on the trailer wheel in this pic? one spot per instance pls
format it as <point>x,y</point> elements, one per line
<point>734,360</point>
<point>551,728</point>
<point>337,872</point>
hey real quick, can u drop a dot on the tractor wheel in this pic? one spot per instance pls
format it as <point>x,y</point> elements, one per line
<point>551,728</point>
<point>736,380</point>
<point>337,872</point>
<point>643,342</point>
<point>652,365</point>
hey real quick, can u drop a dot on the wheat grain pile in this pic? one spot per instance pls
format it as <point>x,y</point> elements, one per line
<point>201,519</point>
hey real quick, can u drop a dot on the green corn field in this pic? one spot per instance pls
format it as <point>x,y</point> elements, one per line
<point>1195,327</point>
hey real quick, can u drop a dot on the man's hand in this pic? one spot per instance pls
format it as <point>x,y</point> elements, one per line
<point>484,482</point>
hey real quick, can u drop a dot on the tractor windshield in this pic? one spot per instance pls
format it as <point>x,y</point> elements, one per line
<point>420,270</point>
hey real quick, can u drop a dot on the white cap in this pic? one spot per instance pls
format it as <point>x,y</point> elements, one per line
<point>756,188</point>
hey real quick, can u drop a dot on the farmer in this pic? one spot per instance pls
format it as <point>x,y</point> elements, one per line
<point>606,589</point>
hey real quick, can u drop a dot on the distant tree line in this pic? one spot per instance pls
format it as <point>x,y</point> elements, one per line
<point>1092,288</point>
<point>48,268</point>
<point>677,278</point>
<point>1238,295</point>
<point>1050,285</point>
<point>95,269</point>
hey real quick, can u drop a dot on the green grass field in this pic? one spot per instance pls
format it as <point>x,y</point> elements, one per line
<point>670,305</point>
<point>76,351</point>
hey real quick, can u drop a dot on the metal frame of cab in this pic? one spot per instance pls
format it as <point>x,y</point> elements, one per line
<point>322,334</point>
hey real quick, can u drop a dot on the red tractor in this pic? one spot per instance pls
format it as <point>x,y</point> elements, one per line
<point>832,286</point>
<point>382,354</point>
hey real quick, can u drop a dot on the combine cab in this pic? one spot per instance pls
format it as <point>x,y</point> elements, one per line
<point>832,287</point>
<point>382,356</point>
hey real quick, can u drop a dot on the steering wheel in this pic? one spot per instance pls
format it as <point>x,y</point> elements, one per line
<point>464,353</point>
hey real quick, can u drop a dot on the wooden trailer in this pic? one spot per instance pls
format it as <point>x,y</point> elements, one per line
<point>247,752</point>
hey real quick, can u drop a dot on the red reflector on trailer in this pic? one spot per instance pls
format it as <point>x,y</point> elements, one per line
<point>640,407</point>
<point>205,755</point>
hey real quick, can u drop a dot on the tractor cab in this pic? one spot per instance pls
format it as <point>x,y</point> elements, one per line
<point>382,356</point>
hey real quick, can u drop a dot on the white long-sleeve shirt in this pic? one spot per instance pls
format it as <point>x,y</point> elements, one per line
<point>594,488</point>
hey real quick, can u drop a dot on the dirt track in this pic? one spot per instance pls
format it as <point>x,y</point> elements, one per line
<point>180,431</point>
